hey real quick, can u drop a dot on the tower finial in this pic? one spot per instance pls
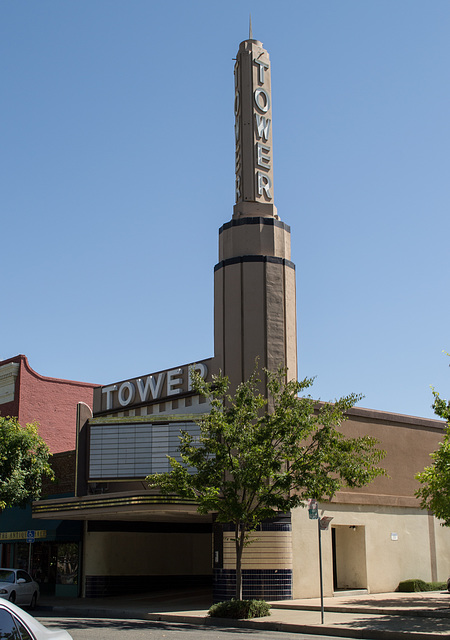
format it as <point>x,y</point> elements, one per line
<point>250,32</point>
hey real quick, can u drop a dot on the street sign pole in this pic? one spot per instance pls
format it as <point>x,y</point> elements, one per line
<point>30,539</point>
<point>323,523</point>
<point>320,571</point>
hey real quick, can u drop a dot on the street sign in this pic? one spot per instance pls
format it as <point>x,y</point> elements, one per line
<point>324,522</point>
<point>313,509</point>
<point>31,535</point>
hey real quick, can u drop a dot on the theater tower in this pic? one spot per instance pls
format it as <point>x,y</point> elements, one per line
<point>254,280</point>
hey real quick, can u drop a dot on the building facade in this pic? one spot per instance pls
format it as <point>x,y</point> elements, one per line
<point>135,538</point>
<point>52,402</point>
<point>54,555</point>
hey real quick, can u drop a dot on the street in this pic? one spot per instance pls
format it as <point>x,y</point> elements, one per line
<point>111,629</point>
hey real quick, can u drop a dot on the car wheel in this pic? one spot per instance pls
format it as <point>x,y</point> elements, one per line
<point>12,596</point>
<point>33,601</point>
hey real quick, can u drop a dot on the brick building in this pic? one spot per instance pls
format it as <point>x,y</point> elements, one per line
<point>52,403</point>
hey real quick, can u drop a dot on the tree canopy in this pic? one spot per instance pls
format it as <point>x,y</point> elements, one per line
<point>24,461</point>
<point>250,463</point>
<point>434,493</point>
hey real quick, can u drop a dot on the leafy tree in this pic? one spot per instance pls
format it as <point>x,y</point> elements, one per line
<point>251,463</point>
<point>23,463</point>
<point>434,493</point>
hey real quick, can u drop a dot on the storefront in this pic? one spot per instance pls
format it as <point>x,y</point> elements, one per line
<point>49,550</point>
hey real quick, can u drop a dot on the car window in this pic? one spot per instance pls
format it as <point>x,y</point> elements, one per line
<point>8,629</point>
<point>7,576</point>
<point>24,634</point>
<point>24,575</point>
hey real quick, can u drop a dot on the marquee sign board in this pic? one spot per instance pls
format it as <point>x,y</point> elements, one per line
<point>145,390</point>
<point>136,448</point>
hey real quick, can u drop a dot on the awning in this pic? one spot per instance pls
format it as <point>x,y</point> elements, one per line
<point>120,506</point>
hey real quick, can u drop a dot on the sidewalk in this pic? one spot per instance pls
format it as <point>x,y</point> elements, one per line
<point>388,616</point>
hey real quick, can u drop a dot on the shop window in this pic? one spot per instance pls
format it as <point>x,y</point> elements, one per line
<point>67,563</point>
<point>21,556</point>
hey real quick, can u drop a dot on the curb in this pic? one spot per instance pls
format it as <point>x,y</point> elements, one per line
<point>366,633</point>
<point>289,627</point>
<point>410,613</point>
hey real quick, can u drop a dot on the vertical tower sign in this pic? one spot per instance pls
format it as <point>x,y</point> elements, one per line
<point>253,132</point>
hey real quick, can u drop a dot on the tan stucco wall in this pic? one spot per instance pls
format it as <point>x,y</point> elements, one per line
<point>254,240</point>
<point>397,546</point>
<point>267,550</point>
<point>254,300</point>
<point>442,537</point>
<point>408,442</point>
<point>120,553</point>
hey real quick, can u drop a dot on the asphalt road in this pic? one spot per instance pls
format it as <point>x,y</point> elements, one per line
<point>109,629</point>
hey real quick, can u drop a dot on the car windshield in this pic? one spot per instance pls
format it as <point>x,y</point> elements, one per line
<point>6,576</point>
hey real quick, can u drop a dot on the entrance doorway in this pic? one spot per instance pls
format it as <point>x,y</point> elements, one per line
<point>349,557</point>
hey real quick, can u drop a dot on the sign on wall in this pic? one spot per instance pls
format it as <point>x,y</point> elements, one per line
<point>163,385</point>
<point>22,535</point>
<point>253,124</point>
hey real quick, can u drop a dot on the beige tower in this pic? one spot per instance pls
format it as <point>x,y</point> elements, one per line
<point>254,281</point>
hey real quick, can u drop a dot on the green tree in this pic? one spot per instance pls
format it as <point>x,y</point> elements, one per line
<point>249,463</point>
<point>434,493</point>
<point>24,461</point>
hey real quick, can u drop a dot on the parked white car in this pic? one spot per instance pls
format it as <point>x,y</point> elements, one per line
<point>19,587</point>
<point>17,623</point>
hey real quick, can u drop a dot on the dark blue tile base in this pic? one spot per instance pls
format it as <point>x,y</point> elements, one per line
<point>263,584</point>
<point>98,586</point>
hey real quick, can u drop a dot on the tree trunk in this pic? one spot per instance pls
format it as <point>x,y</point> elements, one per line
<point>239,533</point>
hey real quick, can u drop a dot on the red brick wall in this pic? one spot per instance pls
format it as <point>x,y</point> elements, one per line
<point>52,402</point>
<point>63,464</point>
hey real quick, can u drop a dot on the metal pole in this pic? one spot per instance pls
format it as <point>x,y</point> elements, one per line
<point>320,570</point>
<point>29,558</point>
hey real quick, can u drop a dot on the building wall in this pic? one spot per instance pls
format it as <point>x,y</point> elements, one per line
<point>269,550</point>
<point>124,553</point>
<point>441,536</point>
<point>381,536</point>
<point>63,465</point>
<point>376,548</point>
<point>118,561</point>
<point>408,442</point>
<point>51,402</point>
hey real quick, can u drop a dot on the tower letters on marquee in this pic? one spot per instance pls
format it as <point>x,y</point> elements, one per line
<point>158,385</point>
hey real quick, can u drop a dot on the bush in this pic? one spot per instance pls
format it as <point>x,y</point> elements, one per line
<point>414,584</point>
<point>240,609</point>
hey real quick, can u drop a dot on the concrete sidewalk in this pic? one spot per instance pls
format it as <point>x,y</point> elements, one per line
<point>388,616</point>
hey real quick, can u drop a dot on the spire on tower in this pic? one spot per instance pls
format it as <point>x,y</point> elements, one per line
<point>250,31</point>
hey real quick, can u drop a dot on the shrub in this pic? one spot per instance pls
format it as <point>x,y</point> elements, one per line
<point>437,586</point>
<point>415,584</point>
<point>240,609</point>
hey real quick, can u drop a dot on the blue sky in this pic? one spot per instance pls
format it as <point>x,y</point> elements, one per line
<point>117,161</point>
